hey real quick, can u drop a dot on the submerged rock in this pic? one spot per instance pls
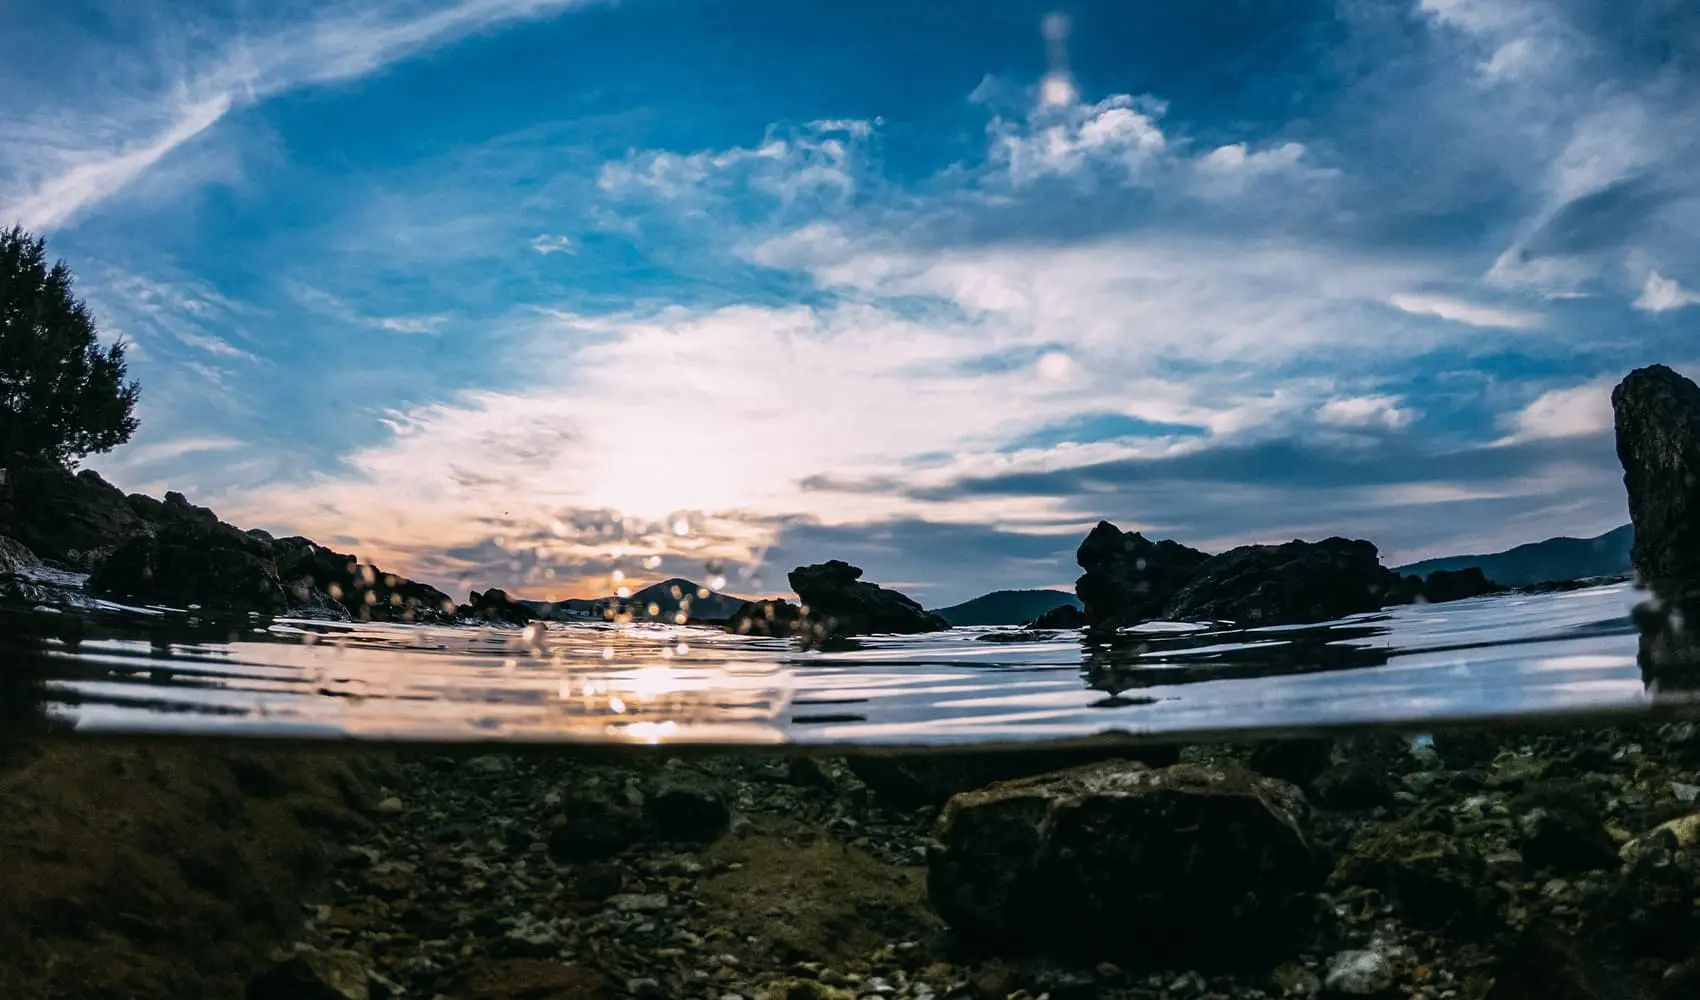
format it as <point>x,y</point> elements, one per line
<point>1283,584</point>
<point>1117,860</point>
<point>1129,578</point>
<point>917,780</point>
<point>687,805</point>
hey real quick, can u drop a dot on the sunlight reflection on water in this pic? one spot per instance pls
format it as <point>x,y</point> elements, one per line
<point>1521,654</point>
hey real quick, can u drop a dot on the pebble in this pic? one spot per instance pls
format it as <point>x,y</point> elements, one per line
<point>638,902</point>
<point>391,806</point>
<point>1358,974</point>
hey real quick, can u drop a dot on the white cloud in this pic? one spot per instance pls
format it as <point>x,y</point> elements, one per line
<point>1385,412</point>
<point>546,244</point>
<point>1063,139</point>
<point>1661,294</point>
<point>1558,413</point>
<point>77,155</point>
<point>819,158</point>
<point>410,324</point>
<point>1458,311</point>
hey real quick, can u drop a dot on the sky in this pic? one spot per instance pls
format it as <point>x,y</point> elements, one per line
<point>533,292</point>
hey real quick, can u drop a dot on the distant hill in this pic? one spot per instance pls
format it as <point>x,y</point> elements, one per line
<point>1538,562</point>
<point>1006,607</point>
<point>665,598</point>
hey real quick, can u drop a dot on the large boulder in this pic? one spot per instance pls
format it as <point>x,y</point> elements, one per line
<point>1116,860</point>
<point>1129,578</point>
<point>929,780</point>
<point>834,594</point>
<point>1286,584</point>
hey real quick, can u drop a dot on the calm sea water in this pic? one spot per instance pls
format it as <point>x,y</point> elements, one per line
<point>113,669</point>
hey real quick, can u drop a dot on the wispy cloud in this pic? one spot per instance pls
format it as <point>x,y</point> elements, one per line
<point>80,154</point>
<point>546,244</point>
<point>1458,311</point>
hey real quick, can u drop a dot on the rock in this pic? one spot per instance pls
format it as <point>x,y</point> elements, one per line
<point>1559,830</point>
<point>834,592</point>
<point>1649,910</point>
<point>1456,585</point>
<point>1432,878</point>
<point>495,605</point>
<point>598,824</point>
<point>75,519</point>
<point>313,975</point>
<point>1129,579</point>
<point>15,558</point>
<point>1120,861</point>
<point>915,781</point>
<point>1285,584</point>
<point>391,806</point>
<point>1300,761</point>
<point>1061,616</point>
<point>779,619</point>
<point>1358,974</point>
<point>187,564</point>
<point>364,591</point>
<point>1353,785</point>
<point>688,806</point>
<point>1543,962</point>
<point>1657,416</point>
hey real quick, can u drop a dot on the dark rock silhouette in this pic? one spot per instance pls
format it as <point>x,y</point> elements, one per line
<point>835,591</point>
<point>1289,583</point>
<point>773,618</point>
<point>495,605</point>
<point>1456,585</point>
<point>1006,607</point>
<point>191,558</point>
<point>1129,579</point>
<point>1064,616</point>
<point>315,575</point>
<point>74,519</point>
<point>1657,417</point>
<point>1120,861</point>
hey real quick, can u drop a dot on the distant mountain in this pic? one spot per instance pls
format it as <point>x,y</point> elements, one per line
<point>657,602</point>
<point>1006,607</point>
<point>1539,562</point>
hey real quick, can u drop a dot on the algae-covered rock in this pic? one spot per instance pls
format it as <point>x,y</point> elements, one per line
<point>1124,861</point>
<point>1432,879</point>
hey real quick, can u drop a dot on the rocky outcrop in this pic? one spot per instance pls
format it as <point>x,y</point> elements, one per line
<point>1657,416</point>
<point>1289,583</point>
<point>1129,579</point>
<point>835,601</point>
<point>15,558</point>
<point>1194,863</point>
<point>191,558</point>
<point>1062,616</point>
<point>365,591</point>
<point>495,606</point>
<point>75,519</point>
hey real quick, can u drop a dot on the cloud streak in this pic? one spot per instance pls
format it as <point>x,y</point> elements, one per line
<point>62,174</point>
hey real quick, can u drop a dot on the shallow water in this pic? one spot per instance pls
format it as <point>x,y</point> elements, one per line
<point>112,669</point>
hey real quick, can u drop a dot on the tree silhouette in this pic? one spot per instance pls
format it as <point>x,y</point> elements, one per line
<point>62,395</point>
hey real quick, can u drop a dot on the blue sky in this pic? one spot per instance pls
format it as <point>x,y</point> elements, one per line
<point>524,292</point>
